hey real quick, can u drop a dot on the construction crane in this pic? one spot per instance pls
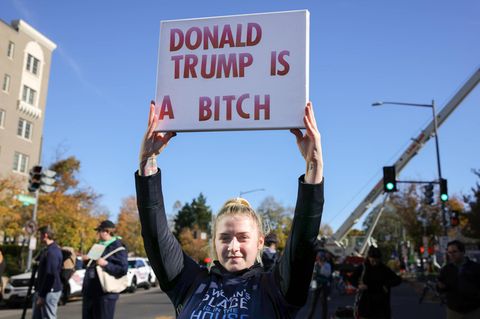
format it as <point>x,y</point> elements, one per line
<point>333,243</point>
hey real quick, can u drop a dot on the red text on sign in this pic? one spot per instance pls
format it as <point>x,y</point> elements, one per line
<point>222,107</point>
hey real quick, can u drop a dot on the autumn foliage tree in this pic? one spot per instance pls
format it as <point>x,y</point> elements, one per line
<point>129,228</point>
<point>13,214</point>
<point>70,210</point>
<point>193,245</point>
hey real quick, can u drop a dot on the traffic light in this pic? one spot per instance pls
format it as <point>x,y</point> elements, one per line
<point>389,179</point>
<point>443,190</point>
<point>40,179</point>
<point>428,194</point>
<point>35,179</point>
<point>454,218</point>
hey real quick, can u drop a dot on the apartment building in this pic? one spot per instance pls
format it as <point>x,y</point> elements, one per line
<point>25,59</point>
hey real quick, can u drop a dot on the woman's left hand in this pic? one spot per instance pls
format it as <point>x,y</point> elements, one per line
<point>310,147</point>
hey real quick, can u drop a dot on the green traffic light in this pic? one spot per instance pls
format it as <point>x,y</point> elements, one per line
<point>444,197</point>
<point>390,186</point>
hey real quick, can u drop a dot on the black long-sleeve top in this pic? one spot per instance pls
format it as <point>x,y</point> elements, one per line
<point>197,292</point>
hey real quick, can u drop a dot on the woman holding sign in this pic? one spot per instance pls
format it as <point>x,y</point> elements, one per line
<point>236,286</point>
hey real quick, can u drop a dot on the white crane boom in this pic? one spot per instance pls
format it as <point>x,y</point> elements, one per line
<point>407,155</point>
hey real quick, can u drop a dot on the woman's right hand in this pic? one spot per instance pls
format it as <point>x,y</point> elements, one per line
<point>153,144</point>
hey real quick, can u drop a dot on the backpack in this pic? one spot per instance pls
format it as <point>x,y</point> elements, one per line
<point>68,260</point>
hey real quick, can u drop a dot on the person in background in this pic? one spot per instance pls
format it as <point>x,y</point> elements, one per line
<point>2,270</point>
<point>460,281</point>
<point>270,254</point>
<point>48,286</point>
<point>68,268</point>
<point>322,273</point>
<point>236,286</point>
<point>374,281</point>
<point>96,303</point>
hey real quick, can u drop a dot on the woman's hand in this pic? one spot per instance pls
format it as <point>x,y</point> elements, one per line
<point>102,262</point>
<point>153,144</point>
<point>310,147</point>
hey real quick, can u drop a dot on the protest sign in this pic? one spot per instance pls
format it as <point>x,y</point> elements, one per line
<point>239,72</point>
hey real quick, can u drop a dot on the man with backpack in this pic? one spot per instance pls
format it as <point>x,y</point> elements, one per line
<point>68,268</point>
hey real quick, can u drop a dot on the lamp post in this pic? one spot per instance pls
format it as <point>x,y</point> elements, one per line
<point>251,191</point>
<point>437,148</point>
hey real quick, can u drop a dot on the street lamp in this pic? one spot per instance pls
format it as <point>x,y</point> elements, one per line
<point>251,191</point>
<point>432,106</point>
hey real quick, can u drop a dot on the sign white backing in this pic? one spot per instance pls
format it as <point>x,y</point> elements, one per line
<point>239,72</point>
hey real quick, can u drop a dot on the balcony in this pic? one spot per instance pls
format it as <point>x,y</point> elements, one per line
<point>28,109</point>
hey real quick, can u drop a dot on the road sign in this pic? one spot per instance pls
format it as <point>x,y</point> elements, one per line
<point>30,227</point>
<point>26,200</point>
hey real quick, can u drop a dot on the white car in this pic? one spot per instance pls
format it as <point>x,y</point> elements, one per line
<point>153,278</point>
<point>139,274</point>
<point>17,286</point>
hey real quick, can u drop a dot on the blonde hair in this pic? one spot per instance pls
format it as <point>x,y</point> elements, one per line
<point>233,207</point>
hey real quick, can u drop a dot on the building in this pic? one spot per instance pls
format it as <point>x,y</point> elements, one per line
<point>25,59</point>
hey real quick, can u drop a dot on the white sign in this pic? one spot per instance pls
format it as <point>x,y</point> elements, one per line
<point>241,72</point>
<point>32,244</point>
<point>96,251</point>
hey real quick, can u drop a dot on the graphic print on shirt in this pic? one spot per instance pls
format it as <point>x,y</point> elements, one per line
<point>218,304</point>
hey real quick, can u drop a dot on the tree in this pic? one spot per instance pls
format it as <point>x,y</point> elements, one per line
<point>203,213</point>
<point>185,218</point>
<point>12,214</point>
<point>196,248</point>
<point>418,218</point>
<point>195,213</point>
<point>129,228</point>
<point>389,229</point>
<point>277,219</point>
<point>472,229</point>
<point>70,210</point>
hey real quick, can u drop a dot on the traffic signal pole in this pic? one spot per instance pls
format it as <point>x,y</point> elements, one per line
<point>437,147</point>
<point>34,219</point>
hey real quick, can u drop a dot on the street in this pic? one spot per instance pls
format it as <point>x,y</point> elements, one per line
<point>153,304</point>
<point>143,304</point>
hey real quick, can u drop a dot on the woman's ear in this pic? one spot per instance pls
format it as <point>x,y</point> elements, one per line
<point>261,241</point>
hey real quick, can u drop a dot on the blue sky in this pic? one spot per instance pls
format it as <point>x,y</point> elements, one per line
<point>104,72</point>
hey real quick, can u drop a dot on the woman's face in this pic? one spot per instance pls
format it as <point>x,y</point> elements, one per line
<point>237,242</point>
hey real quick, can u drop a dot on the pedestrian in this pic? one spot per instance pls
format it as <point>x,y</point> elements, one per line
<point>236,286</point>
<point>460,281</point>
<point>2,270</point>
<point>96,303</point>
<point>48,286</point>
<point>270,254</point>
<point>374,281</point>
<point>322,274</point>
<point>68,268</point>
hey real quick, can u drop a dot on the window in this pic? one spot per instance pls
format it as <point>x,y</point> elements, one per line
<point>20,163</point>
<point>32,64</point>
<point>29,95</point>
<point>6,83</point>
<point>2,118</point>
<point>24,129</point>
<point>11,49</point>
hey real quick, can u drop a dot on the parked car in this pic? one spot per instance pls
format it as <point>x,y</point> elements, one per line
<point>139,274</point>
<point>152,277</point>
<point>17,286</point>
